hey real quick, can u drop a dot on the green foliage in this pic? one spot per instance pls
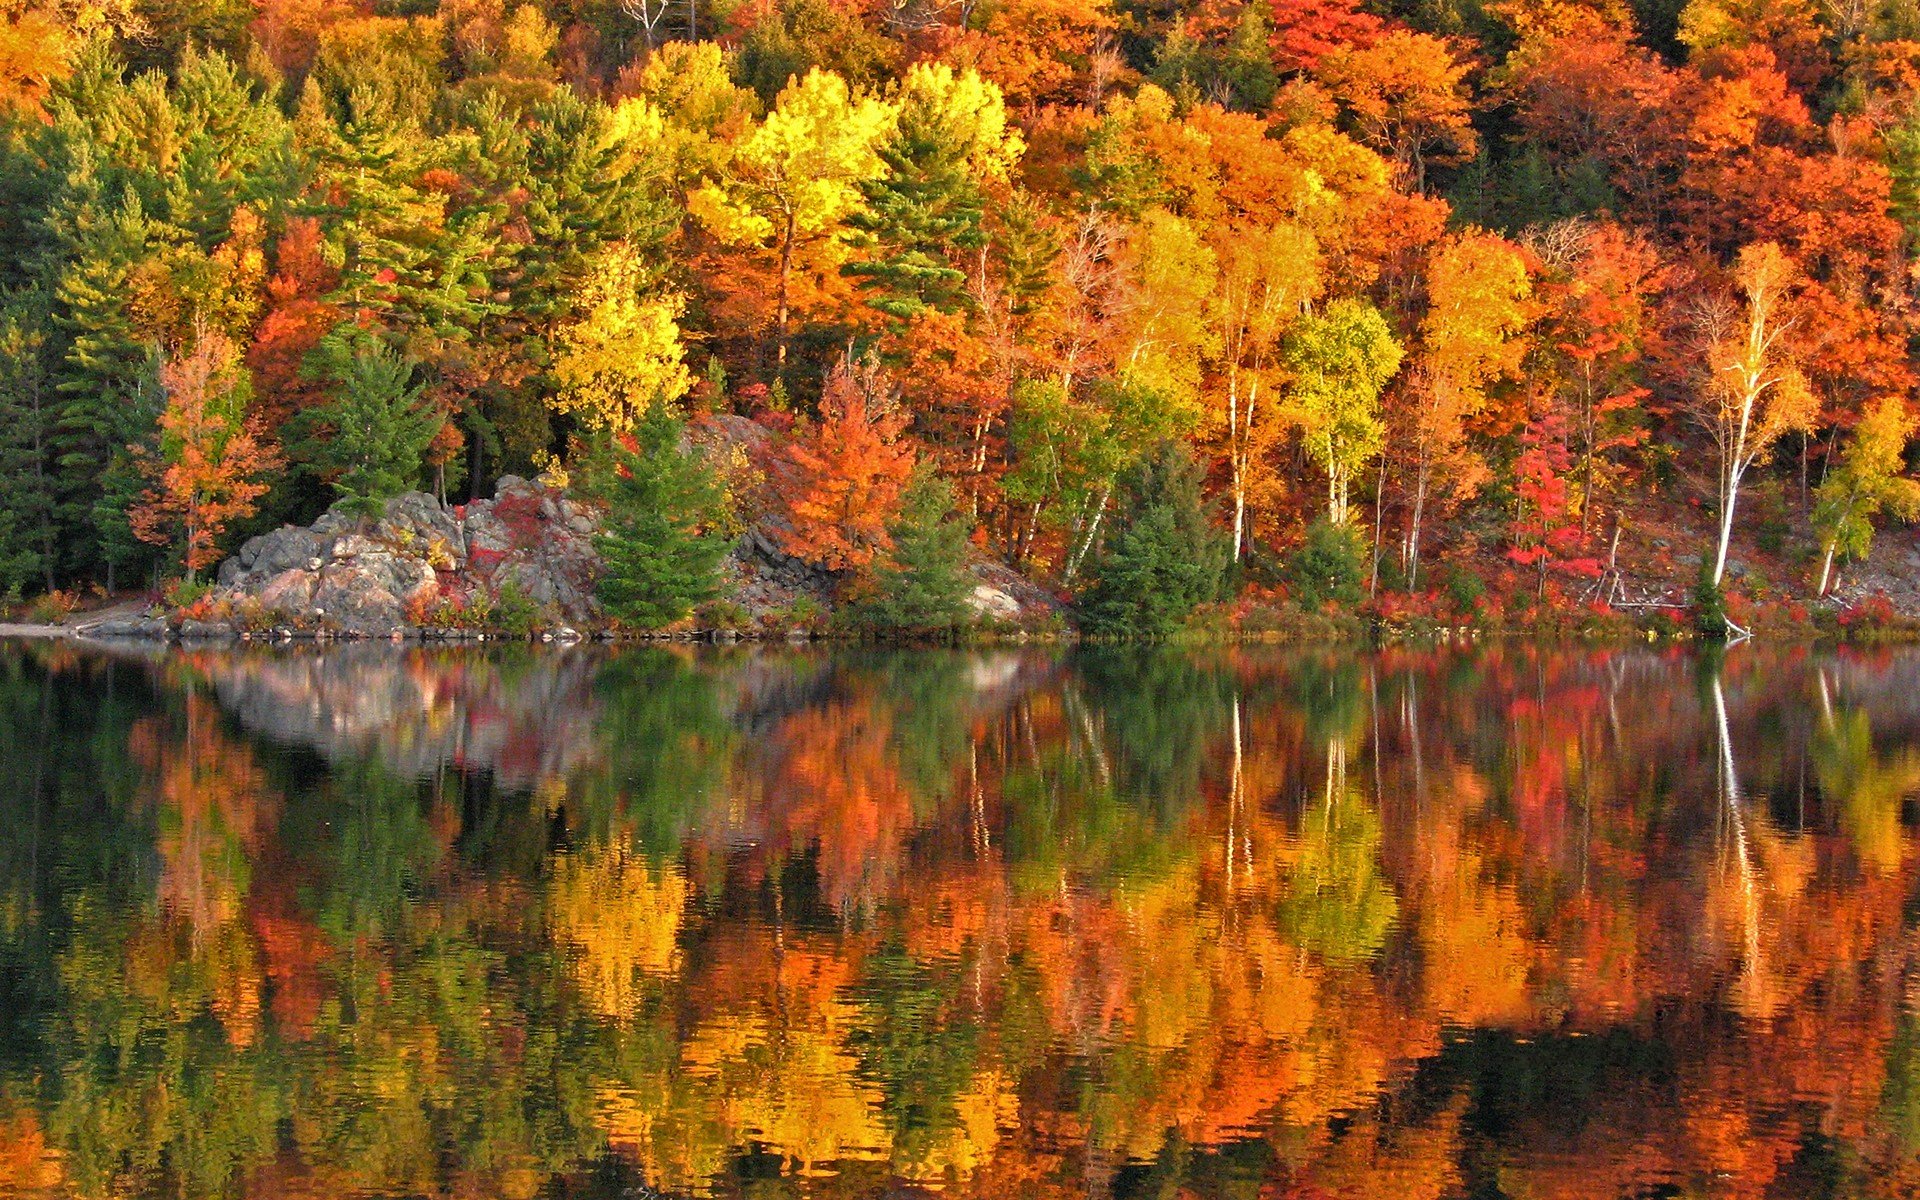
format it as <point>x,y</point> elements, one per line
<point>1709,605</point>
<point>1869,480</point>
<point>1240,72</point>
<point>1340,359</point>
<point>370,439</point>
<point>1166,556</point>
<point>661,544</point>
<point>1330,567</point>
<point>27,501</point>
<point>922,585</point>
<point>925,211</point>
<point>1340,904</point>
<point>515,612</point>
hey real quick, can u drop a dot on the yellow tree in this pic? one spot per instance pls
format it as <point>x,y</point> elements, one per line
<point>1751,392</point>
<point>1869,480</point>
<point>1339,360</point>
<point>1268,276</point>
<point>623,354</point>
<point>1477,306</point>
<point>1152,319</point>
<point>795,178</point>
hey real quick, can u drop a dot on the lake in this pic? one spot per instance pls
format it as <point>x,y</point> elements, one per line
<point>1506,921</point>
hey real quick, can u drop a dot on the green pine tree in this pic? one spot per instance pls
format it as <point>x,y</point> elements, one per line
<point>370,439</point>
<point>1166,556</point>
<point>924,209</point>
<point>664,534</point>
<point>922,586</point>
<point>107,399</point>
<point>27,501</point>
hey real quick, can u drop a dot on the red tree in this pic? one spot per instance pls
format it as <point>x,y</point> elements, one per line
<point>1546,534</point>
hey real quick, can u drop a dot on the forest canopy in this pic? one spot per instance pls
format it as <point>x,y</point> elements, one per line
<point>1473,284</point>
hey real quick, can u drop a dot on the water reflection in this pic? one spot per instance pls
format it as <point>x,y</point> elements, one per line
<point>775,923</point>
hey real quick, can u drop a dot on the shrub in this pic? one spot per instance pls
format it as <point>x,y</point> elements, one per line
<point>724,614</point>
<point>1465,589</point>
<point>1166,556</point>
<point>803,613</point>
<point>185,593</point>
<point>251,615</point>
<point>1709,605</point>
<point>661,545</point>
<point>517,613</point>
<point>52,608</point>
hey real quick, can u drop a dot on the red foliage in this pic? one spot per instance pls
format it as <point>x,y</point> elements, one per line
<point>1302,32</point>
<point>1546,535</point>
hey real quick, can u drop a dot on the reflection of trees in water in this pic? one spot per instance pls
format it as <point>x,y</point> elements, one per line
<point>1418,924</point>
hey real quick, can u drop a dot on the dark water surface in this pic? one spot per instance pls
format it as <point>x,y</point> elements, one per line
<point>1507,922</point>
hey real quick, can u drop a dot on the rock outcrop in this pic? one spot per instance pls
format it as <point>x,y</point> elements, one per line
<point>421,562</point>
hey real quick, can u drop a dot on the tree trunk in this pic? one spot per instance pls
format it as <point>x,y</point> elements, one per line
<point>40,487</point>
<point>1731,498</point>
<point>1093,529</point>
<point>1379,509</point>
<point>1414,522</point>
<point>1826,569</point>
<point>780,302</point>
<point>1239,516</point>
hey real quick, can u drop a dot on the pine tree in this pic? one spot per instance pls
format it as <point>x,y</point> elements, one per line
<point>27,499</point>
<point>922,585</point>
<point>370,440</point>
<point>663,537</point>
<point>927,209</point>
<point>1165,558</point>
<point>107,401</point>
<point>918,215</point>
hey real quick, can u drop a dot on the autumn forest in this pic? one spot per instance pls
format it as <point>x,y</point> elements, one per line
<point>1436,305</point>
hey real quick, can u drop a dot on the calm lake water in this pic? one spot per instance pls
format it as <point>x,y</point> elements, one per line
<point>1495,923</point>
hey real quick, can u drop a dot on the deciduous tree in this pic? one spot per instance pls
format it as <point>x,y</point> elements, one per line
<point>1339,360</point>
<point>1870,479</point>
<point>1750,392</point>
<point>207,470</point>
<point>794,179</point>
<point>622,356</point>
<point>842,480</point>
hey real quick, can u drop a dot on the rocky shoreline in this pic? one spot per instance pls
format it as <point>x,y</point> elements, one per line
<point>518,567</point>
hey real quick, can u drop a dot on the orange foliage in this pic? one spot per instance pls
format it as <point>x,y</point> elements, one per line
<point>841,481</point>
<point>211,457</point>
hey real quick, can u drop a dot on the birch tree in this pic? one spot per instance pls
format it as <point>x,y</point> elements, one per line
<point>1750,393</point>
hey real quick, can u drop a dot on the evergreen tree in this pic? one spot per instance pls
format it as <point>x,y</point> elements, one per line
<point>1166,556</point>
<point>663,538</point>
<point>922,585</point>
<point>26,418</point>
<point>922,210</point>
<point>107,401</point>
<point>927,209</point>
<point>370,440</point>
<point>409,258</point>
